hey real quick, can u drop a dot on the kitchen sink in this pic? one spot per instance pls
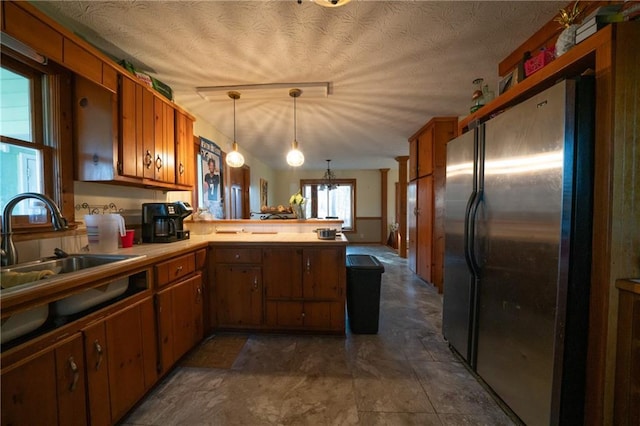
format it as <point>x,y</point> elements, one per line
<point>29,272</point>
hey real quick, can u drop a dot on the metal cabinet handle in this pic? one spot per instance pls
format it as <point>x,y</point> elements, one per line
<point>181,169</point>
<point>179,269</point>
<point>99,351</point>
<point>148,159</point>
<point>76,373</point>
<point>198,294</point>
<point>237,256</point>
<point>158,163</point>
<point>308,264</point>
<point>255,282</point>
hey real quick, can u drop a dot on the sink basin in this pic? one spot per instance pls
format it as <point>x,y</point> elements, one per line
<point>22,323</point>
<point>25,273</point>
<point>90,297</point>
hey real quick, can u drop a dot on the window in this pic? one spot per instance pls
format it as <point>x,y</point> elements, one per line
<point>32,105</point>
<point>336,203</point>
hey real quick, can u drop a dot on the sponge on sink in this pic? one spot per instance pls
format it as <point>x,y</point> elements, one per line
<point>11,278</point>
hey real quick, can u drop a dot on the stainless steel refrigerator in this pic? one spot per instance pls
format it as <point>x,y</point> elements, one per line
<point>518,250</point>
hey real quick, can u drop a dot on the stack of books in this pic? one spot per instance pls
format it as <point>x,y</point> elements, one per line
<point>599,18</point>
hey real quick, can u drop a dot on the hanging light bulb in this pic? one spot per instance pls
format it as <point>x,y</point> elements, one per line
<point>234,158</point>
<point>295,158</point>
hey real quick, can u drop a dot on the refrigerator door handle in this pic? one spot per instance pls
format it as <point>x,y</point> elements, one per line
<point>468,230</point>
<point>470,234</point>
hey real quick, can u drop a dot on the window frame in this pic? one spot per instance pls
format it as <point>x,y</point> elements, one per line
<point>52,130</point>
<point>314,183</point>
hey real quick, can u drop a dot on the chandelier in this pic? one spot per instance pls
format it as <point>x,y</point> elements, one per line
<point>329,179</point>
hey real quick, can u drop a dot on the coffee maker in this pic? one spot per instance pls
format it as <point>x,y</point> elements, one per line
<point>163,222</point>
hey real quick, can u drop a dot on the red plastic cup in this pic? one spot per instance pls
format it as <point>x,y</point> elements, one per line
<point>127,240</point>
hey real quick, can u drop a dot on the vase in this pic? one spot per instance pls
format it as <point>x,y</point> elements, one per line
<point>566,40</point>
<point>298,210</point>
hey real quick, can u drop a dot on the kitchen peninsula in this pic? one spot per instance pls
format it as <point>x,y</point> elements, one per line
<point>249,275</point>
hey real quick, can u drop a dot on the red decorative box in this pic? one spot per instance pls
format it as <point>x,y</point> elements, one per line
<point>538,61</point>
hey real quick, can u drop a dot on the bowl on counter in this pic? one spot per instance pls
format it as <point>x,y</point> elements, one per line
<point>326,233</point>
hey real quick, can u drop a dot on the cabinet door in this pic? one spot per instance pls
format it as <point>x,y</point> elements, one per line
<point>70,377</point>
<point>285,314</point>
<point>131,147</point>
<point>148,134</point>
<point>239,289</point>
<point>165,328</point>
<point>95,349</point>
<point>282,272</point>
<point>187,315</point>
<point>413,159</point>
<point>169,143</point>
<point>126,359</point>
<point>425,152</point>
<point>29,391</point>
<point>324,273</point>
<point>324,315</point>
<point>424,227</point>
<point>184,149</point>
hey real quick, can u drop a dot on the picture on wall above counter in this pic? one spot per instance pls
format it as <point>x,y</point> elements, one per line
<point>210,179</point>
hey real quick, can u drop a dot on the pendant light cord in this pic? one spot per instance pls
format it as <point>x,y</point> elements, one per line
<point>234,120</point>
<point>295,136</point>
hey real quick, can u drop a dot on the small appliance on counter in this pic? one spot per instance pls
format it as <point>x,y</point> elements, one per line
<point>163,222</point>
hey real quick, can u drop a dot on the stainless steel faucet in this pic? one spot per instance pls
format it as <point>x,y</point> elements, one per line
<point>9,254</point>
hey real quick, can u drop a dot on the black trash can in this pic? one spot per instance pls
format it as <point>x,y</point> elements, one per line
<point>364,274</point>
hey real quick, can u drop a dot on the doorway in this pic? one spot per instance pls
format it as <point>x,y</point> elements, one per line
<point>240,182</point>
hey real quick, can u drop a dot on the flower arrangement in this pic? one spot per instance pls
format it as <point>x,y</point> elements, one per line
<point>567,17</point>
<point>296,199</point>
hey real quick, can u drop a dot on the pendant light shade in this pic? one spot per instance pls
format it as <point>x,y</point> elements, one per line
<point>295,158</point>
<point>234,158</point>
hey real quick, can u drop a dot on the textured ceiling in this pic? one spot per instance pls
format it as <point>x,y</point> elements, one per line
<point>391,65</point>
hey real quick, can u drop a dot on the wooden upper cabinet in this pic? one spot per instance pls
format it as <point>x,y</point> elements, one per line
<point>185,174</point>
<point>130,137</point>
<point>25,27</point>
<point>427,147</point>
<point>80,60</point>
<point>109,77</point>
<point>164,157</point>
<point>425,152</point>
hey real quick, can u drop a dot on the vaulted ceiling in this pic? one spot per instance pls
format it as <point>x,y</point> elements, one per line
<point>390,65</point>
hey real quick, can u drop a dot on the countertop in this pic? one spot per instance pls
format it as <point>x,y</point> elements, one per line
<point>56,287</point>
<point>630,284</point>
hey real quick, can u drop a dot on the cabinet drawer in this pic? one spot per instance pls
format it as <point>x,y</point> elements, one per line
<point>175,269</point>
<point>31,31</point>
<point>82,61</point>
<point>238,255</point>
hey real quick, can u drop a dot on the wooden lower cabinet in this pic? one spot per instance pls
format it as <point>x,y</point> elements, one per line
<point>239,295</point>
<point>179,319</point>
<point>305,288</point>
<point>121,361</point>
<point>47,387</point>
<point>307,315</point>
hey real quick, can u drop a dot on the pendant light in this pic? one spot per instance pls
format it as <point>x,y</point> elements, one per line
<point>295,158</point>
<point>234,158</point>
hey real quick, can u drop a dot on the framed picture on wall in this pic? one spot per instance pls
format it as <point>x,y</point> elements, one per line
<point>210,178</point>
<point>264,191</point>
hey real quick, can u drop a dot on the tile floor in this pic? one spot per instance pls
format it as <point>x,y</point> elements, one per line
<point>404,375</point>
